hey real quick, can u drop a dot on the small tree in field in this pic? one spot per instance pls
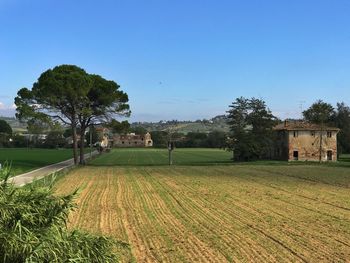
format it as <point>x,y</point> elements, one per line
<point>33,228</point>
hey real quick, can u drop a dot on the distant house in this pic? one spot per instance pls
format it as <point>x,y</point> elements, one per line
<point>108,139</point>
<point>303,141</point>
<point>132,140</point>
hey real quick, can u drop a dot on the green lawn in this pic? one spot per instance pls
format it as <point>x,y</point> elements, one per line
<point>187,156</point>
<point>153,157</point>
<point>24,160</point>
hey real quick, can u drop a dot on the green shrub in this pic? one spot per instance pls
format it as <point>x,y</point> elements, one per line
<point>33,228</point>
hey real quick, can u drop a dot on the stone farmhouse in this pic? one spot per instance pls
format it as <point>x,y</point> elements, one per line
<point>132,140</point>
<point>302,141</point>
<point>109,140</point>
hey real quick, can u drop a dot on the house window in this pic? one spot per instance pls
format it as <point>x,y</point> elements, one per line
<point>295,134</point>
<point>122,142</point>
<point>329,134</point>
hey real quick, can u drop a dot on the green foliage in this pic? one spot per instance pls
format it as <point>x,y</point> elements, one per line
<point>342,121</point>
<point>33,228</point>
<point>320,113</point>
<point>323,113</point>
<point>38,126</point>
<point>5,133</point>
<point>119,127</point>
<point>54,139</point>
<point>94,135</point>
<point>215,139</point>
<point>138,130</point>
<point>19,141</point>
<point>5,128</point>
<point>160,138</point>
<point>70,95</point>
<point>251,125</point>
<point>217,123</point>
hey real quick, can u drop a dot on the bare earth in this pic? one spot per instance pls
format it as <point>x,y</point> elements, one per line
<point>217,213</point>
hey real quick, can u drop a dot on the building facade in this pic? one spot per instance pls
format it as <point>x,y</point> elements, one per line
<point>302,141</point>
<point>132,140</point>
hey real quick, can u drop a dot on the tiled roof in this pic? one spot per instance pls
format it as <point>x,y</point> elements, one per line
<point>302,126</point>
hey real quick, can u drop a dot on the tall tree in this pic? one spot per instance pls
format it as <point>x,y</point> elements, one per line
<point>261,120</point>
<point>103,102</point>
<point>237,119</point>
<point>56,95</point>
<point>70,95</point>
<point>251,125</point>
<point>320,112</point>
<point>342,121</point>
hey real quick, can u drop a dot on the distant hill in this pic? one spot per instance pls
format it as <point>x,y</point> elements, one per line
<point>217,123</point>
<point>15,124</point>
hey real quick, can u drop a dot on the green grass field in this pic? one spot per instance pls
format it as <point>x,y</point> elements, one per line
<point>255,212</point>
<point>24,160</point>
<point>155,157</point>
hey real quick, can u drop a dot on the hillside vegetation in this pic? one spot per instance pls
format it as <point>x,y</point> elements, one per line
<point>16,125</point>
<point>217,123</point>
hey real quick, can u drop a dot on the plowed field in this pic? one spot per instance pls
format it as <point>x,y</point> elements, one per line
<point>240,213</point>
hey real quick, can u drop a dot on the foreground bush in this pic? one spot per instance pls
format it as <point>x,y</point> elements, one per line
<point>33,228</point>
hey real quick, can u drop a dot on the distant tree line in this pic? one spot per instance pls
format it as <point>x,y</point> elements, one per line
<point>56,136</point>
<point>215,139</point>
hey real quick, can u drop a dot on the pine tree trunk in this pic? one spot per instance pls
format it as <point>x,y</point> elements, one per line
<point>82,136</point>
<point>75,143</point>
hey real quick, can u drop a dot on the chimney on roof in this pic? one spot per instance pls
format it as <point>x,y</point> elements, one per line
<point>285,123</point>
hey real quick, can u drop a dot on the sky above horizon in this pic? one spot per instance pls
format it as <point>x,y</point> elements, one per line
<point>180,59</point>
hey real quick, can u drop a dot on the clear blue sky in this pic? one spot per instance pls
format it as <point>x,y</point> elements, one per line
<point>184,59</point>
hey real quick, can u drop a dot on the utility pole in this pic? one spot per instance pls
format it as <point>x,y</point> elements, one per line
<point>170,148</point>
<point>90,141</point>
<point>321,141</point>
